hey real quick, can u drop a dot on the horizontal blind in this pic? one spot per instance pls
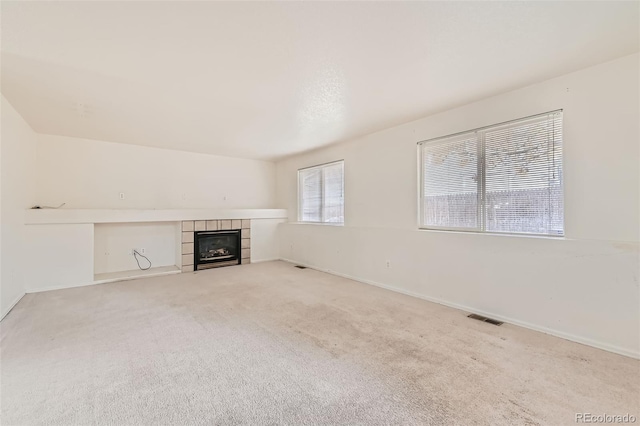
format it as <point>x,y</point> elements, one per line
<point>333,197</point>
<point>310,184</point>
<point>505,178</point>
<point>321,193</point>
<point>523,176</point>
<point>450,182</point>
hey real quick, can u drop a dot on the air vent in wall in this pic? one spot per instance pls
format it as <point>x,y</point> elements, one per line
<point>485,319</point>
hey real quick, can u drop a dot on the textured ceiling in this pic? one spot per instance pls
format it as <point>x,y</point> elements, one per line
<point>269,79</point>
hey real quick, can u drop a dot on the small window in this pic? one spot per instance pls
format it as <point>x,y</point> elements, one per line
<point>505,178</point>
<point>321,193</point>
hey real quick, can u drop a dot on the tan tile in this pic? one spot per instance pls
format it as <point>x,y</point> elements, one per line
<point>246,261</point>
<point>225,225</point>
<point>187,268</point>
<point>212,225</point>
<point>187,237</point>
<point>187,225</point>
<point>246,253</point>
<point>201,225</point>
<point>246,223</point>
<point>246,243</point>
<point>245,233</point>
<point>236,224</point>
<point>187,259</point>
<point>187,248</point>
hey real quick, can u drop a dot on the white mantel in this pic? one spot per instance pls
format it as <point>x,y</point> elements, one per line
<point>71,216</point>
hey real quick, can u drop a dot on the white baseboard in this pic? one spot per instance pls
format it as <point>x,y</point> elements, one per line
<point>13,304</point>
<point>96,282</point>
<point>265,260</point>
<point>59,287</point>
<point>546,330</point>
<point>114,277</point>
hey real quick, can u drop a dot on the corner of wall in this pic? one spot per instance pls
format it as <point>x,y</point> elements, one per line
<point>17,185</point>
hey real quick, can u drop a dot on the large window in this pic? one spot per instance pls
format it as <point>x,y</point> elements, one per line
<point>321,193</point>
<point>505,178</point>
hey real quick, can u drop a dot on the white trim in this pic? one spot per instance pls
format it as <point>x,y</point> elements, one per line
<point>507,234</point>
<point>104,281</point>
<point>97,282</point>
<point>272,259</point>
<point>317,166</point>
<point>504,124</point>
<point>61,287</point>
<point>135,274</point>
<point>317,223</point>
<point>13,304</point>
<point>567,336</point>
<point>64,216</point>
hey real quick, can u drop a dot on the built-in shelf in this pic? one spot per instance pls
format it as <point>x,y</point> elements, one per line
<point>136,273</point>
<point>87,246</point>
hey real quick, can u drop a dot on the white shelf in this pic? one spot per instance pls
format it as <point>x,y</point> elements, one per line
<point>133,274</point>
<point>67,216</point>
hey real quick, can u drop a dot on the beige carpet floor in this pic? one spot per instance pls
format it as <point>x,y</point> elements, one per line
<point>268,343</point>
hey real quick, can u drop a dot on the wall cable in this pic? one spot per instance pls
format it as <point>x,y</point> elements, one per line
<point>135,255</point>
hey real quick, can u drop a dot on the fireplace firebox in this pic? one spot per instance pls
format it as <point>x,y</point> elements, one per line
<point>216,248</point>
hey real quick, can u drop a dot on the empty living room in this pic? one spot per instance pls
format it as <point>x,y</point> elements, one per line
<point>319,212</point>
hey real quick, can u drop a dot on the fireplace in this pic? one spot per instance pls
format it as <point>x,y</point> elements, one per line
<point>216,248</point>
<point>190,246</point>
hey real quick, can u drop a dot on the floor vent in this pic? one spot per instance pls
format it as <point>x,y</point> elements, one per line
<point>301,267</point>
<point>485,319</point>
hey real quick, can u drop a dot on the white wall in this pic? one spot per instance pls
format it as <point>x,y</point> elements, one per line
<point>264,240</point>
<point>63,255</point>
<point>91,174</point>
<point>583,287</point>
<point>18,163</point>
<point>114,241</point>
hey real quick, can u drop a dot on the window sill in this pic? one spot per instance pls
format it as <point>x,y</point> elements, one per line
<point>317,223</point>
<point>496,234</point>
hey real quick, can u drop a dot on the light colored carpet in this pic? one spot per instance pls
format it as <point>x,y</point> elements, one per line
<point>271,344</point>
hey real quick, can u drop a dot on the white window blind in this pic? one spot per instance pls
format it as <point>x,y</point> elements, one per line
<point>321,193</point>
<point>451,183</point>
<point>505,178</point>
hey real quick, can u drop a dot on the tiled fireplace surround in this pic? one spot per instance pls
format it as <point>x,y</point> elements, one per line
<point>191,226</point>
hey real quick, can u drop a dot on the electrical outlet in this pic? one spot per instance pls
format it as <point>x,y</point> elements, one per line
<point>122,195</point>
<point>388,264</point>
<point>142,251</point>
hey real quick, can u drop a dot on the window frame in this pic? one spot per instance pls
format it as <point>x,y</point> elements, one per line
<point>481,148</point>
<point>322,185</point>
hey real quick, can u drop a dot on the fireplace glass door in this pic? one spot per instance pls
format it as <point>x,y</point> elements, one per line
<point>216,247</point>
